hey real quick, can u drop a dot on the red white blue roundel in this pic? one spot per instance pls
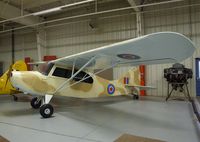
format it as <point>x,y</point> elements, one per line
<point>111,89</point>
<point>128,56</point>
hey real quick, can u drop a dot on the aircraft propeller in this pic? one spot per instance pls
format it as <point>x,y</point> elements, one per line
<point>8,75</point>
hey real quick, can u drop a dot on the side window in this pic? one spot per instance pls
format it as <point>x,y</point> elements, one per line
<point>82,75</point>
<point>66,73</point>
<point>60,72</point>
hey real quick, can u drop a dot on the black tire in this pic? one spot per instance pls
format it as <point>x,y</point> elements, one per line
<point>135,97</point>
<point>15,98</point>
<point>46,110</point>
<point>35,103</point>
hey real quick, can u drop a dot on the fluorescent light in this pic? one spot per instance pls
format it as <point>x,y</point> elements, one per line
<point>76,3</point>
<point>47,11</point>
<point>60,8</point>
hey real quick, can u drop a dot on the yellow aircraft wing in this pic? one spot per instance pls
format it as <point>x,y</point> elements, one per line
<point>5,85</point>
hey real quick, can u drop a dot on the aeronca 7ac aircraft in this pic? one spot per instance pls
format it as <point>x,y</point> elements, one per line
<point>73,75</point>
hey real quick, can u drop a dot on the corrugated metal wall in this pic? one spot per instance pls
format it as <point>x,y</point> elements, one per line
<point>76,37</point>
<point>182,20</point>
<point>25,45</point>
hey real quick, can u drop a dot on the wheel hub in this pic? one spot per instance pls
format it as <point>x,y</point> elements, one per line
<point>47,111</point>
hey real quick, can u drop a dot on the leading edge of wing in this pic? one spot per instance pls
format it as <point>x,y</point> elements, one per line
<point>152,47</point>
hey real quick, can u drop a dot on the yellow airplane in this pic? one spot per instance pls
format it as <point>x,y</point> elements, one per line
<point>73,76</point>
<point>5,85</point>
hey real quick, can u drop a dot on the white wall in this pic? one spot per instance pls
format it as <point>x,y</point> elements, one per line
<point>76,37</point>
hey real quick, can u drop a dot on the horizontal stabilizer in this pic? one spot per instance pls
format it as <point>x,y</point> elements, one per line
<point>140,87</point>
<point>37,63</point>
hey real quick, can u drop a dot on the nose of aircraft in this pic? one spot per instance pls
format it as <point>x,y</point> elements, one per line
<point>29,82</point>
<point>15,79</point>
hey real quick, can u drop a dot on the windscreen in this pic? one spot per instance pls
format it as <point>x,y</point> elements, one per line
<point>48,69</point>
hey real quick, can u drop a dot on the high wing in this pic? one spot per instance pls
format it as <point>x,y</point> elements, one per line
<point>161,47</point>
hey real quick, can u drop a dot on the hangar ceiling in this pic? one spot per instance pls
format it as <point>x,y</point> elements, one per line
<point>20,14</point>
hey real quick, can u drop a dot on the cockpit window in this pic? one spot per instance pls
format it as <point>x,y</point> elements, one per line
<point>66,73</point>
<point>82,75</point>
<point>60,72</point>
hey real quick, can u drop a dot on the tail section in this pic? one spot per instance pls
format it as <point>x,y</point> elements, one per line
<point>132,77</point>
<point>131,80</point>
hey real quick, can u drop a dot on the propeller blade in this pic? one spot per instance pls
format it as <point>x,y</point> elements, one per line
<point>8,75</point>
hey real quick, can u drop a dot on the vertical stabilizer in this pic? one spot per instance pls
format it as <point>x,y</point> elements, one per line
<point>132,77</point>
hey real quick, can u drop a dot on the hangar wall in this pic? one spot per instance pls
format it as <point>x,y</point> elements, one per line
<point>77,37</point>
<point>74,37</point>
<point>182,20</point>
<point>25,45</point>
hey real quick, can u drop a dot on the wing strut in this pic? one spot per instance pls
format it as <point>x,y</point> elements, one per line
<point>84,78</point>
<point>74,74</point>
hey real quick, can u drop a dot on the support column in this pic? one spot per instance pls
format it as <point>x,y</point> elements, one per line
<point>39,47</point>
<point>141,67</point>
<point>139,24</point>
<point>40,37</point>
<point>13,47</point>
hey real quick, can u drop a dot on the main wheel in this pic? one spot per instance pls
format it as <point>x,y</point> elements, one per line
<point>46,110</point>
<point>35,103</point>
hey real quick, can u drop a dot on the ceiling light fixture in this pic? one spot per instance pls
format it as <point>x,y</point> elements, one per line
<point>77,3</point>
<point>60,8</point>
<point>47,11</point>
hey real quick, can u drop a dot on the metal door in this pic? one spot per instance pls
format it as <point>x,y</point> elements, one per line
<point>198,76</point>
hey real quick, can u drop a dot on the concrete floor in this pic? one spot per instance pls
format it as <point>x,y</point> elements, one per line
<point>102,120</point>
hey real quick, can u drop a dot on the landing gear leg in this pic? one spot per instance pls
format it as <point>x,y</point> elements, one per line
<point>46,110</point>
<point>135,93</point>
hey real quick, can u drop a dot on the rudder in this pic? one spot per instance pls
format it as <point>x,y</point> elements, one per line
<point>132,77</point>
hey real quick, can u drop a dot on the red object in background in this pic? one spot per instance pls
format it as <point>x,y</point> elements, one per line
<point>142,77</point>
<point>28,60</point>
<point>43,68</point>
<point>49,58</point>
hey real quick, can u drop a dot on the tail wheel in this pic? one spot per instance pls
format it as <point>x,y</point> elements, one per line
<point>46,110</point>
<point>35,103</point>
